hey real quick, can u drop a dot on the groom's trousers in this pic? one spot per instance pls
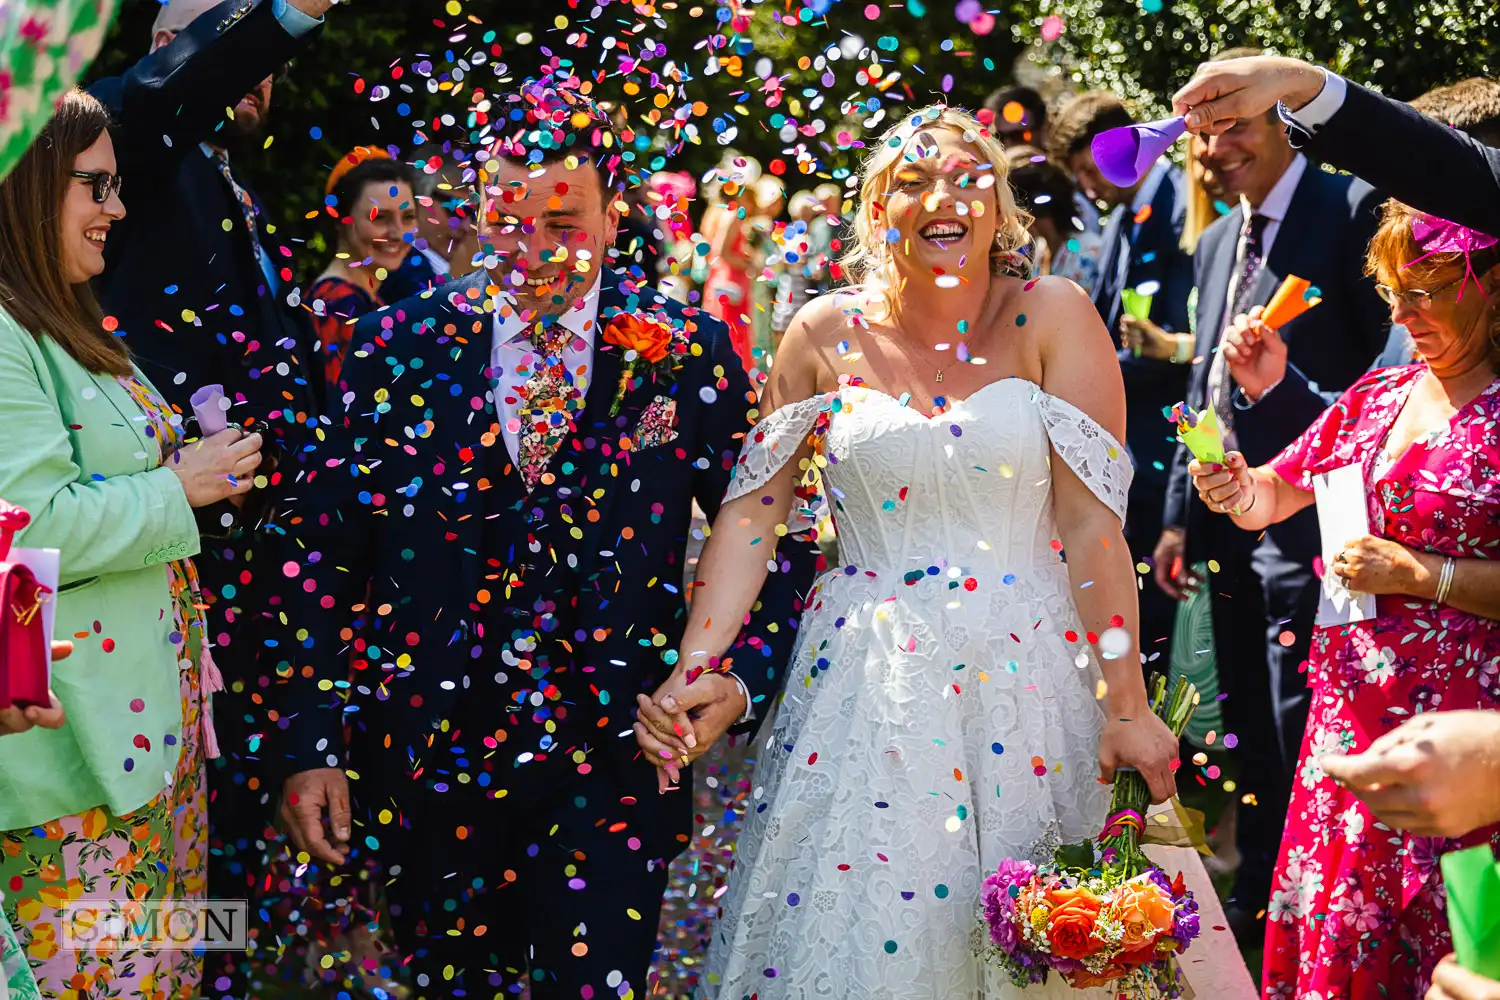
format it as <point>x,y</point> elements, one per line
<point>551,886</point>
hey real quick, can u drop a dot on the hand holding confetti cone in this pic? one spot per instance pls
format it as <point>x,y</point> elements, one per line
<point>1290,301</point>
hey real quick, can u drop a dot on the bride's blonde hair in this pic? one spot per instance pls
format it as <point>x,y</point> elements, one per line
<point>870,260</point>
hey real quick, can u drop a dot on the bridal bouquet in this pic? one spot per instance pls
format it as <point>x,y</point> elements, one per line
<point>1100,914</point>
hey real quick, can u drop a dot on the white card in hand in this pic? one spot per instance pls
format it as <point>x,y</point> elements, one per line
<point>1342,515</point>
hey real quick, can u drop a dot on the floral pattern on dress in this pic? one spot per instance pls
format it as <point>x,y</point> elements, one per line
<point>1357,908</point>
<point>154,853</point>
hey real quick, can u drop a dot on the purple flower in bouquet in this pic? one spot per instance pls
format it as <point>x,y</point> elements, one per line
<point>999,904</point>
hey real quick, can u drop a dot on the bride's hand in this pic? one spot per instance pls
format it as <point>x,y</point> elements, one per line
<point>1142,741</point>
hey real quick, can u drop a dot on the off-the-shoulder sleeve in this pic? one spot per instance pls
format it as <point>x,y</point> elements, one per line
<point>770,444</point>
<point>1090,451</point>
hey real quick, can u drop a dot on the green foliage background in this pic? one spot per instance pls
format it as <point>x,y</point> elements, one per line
<point>1402,47</point>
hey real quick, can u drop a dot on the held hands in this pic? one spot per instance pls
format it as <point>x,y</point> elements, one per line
<point>1255,354</point>
<point>1173,575</point>
<point>1373,565</point>
<point>1224,92</point>
<point>1146,338</point>
<point>1437,775</point>
<point>217,467</point>
<point>1226,488</point>
<point>304,799</point>
<point>1139,739</point>
<point>682,721</point>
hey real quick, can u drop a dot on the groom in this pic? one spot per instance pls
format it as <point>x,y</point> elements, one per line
<point>504,500</point>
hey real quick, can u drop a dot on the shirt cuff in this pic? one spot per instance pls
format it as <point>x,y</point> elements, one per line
<point>1315,114</point>
<point>1242,400</point>
<point>293,20</point>
<point>749,712</point>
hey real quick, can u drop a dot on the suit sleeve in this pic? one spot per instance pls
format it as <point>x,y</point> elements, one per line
<point>1414,159</point>
<point>1278,416</point>
<point>175,97</point>
<point>764,646</point>
<point>100,525</point>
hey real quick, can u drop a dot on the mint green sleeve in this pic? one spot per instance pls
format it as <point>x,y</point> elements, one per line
<point>101,526</point>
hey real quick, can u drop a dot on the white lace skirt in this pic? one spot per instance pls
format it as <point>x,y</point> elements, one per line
<point>928,731</point>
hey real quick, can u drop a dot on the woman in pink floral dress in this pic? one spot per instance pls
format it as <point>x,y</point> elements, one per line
<point>1357,908</point>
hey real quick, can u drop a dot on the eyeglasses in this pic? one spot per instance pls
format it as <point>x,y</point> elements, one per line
<point>1417,298</point>
<point>103,181</point>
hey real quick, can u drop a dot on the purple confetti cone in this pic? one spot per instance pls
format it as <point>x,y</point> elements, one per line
<point>1123,155</point>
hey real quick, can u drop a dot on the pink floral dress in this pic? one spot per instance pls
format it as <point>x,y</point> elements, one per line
<point>1357,909</point>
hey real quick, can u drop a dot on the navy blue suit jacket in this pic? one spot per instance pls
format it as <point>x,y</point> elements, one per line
<point>1323,238</point>
<point>192,302</point>
<point>1151,385</point>
<point>559,605</point>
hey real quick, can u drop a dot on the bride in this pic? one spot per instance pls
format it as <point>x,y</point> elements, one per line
<point>964,682</point>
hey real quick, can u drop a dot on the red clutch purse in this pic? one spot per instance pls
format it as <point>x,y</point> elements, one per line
<point>23,640</point>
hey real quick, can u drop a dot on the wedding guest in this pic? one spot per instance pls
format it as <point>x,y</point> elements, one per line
<point>1061,244</point>
<point>1259,363</point>
<point>1289,218</point>
<point>727,288</point>
<point>1141,249</point>
<point>201,287</point>
<point>1357,910</point>
<point>1350,128</point>
<point>445,241</point>
<point>767,224</point>
<point>376,212</point>
<point>112,801</point>
<point>672,194</point>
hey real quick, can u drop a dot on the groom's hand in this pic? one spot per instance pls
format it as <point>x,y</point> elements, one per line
<point>682,721</point>
<point>304,799</point>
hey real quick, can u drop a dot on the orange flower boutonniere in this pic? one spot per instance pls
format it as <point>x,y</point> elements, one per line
<point>651,339</point>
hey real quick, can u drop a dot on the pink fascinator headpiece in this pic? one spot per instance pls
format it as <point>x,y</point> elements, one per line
<point>1434,235</point>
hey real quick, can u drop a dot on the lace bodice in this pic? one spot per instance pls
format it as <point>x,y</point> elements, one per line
<point>973,484</point>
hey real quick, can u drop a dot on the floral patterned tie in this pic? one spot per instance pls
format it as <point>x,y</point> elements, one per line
<point>550,401</point>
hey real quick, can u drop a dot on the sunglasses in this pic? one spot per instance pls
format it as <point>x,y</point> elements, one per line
<point>1417,298</point>
<point>104,183</point>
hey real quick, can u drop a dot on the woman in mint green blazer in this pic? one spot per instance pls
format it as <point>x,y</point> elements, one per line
<point>111,804</point>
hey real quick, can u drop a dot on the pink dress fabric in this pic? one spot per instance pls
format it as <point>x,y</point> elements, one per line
<point>1357,909</point>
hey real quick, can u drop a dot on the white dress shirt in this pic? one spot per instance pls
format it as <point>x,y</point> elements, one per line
<point>1274,208</point>
<point>511,356</point>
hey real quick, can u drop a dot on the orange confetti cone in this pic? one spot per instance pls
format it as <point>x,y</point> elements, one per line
<point>1289,302</point>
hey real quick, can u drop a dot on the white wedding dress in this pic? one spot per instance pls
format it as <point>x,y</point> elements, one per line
<point>937,716</point>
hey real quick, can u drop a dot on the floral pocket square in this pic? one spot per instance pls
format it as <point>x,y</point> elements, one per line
<point>658,424</point>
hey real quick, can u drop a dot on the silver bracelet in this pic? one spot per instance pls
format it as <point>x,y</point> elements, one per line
<point>1445,580</point>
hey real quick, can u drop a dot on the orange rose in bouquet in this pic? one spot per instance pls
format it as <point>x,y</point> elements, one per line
<point>648,339</point>
<point>1070,926</point>
<point>1144,913</point>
